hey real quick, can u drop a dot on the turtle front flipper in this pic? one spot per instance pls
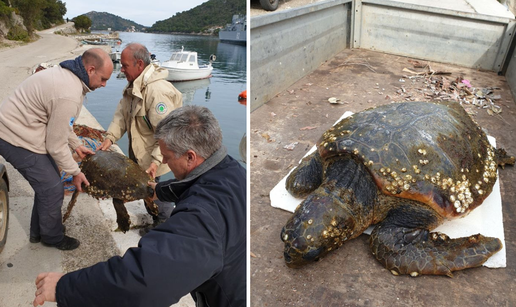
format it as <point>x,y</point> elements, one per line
<point>122,217</point>
<point>306,177</point>
<point>413,249</point>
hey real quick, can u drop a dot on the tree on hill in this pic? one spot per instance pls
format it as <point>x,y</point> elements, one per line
<point>52,13</point>
<point>30,11</point>
<point>82,23</point>
<point>207,15</point>
<point>103,21</point>
<point>36,14</point>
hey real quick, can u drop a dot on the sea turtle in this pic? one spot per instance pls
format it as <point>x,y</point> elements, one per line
<point>405,167</point>
<point>113,175</point>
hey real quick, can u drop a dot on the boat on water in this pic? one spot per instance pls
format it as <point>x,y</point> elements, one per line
<point>235,33</point>
<point>115,55</point>
<point>102,41</point>
<point>183,66</point>
<point>93,42</point>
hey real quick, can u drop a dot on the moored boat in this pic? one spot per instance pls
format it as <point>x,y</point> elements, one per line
<point>115,56</point>
<point>183,66</point>
<point>235,33</point>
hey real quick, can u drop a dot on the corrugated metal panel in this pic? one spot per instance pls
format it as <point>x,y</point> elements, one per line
<point>287,45</point>
<point>447,36</point>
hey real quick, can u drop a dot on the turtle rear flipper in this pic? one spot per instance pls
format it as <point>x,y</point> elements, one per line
<point>122,217</point>
<point>151,207</point>
<point>503,158</point>
<point>72,202</point>
<point>416,251</point>
<point>306,177</point>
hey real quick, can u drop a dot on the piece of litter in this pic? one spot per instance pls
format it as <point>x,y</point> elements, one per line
<point>307,128</point>
<point>466,82</point>
<point>291,146</point>
<point>266,136</point>
<point>334,100</point>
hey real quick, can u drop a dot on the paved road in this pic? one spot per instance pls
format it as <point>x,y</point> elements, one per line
<point>17,63</point>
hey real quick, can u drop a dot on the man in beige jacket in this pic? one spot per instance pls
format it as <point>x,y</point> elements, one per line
<point>147,99</point>
<point>36,134</point>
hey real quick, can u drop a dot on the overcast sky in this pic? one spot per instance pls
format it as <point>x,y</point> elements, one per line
<point>146,14</point>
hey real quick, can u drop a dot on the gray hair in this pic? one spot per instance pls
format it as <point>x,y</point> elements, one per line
<point>190,128</point>
<point>139,52</point>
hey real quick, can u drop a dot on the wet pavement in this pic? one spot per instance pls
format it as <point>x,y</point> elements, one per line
<point>351,276</point>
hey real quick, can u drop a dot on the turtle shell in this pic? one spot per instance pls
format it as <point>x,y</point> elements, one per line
<point>430,152</point>
<point>113,175</point>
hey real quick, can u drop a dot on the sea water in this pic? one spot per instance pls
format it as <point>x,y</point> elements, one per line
<point>218,93</point>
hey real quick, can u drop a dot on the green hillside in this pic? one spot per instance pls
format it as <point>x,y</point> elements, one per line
<point>201,18</point>
<point>103,21</point>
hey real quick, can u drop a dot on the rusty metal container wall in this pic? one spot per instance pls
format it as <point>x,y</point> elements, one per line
<point>435,34</point>
<point>288,45</point>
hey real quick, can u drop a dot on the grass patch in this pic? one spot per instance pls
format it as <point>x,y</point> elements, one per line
<point>17,33</point>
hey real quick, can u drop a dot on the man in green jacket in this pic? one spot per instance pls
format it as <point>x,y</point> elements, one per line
<point>147,99</point>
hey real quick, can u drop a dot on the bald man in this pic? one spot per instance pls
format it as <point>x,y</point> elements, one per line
<point>36,135</point>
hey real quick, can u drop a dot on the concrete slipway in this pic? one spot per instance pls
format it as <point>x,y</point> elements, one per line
<point>323,63</point>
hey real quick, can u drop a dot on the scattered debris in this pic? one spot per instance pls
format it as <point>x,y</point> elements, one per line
<point>307,128</point>
<point>291,146</point>
<point>266,136</point>
<point>334,100</point>
<point>364,63</point>
<point>431,85</point>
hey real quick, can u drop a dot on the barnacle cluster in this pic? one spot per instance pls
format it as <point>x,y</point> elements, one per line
<point>461,191</point>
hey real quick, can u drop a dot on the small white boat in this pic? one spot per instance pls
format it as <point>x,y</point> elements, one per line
<point>183,66</point>
<point>115,56</point>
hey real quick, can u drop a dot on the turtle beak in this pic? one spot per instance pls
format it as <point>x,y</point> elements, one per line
<point>319,225</point>
<point>298,251</point>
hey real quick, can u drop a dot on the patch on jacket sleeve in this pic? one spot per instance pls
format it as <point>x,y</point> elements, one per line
<point>72,120</point>
<point>161,108</point>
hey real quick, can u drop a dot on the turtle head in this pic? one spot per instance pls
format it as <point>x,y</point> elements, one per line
<point>320,224</point>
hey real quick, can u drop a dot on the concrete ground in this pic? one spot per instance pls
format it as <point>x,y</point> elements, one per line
<point>351,276</point>
<point>92,221</point>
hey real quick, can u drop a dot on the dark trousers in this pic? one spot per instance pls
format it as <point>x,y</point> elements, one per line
<point>43,175</point>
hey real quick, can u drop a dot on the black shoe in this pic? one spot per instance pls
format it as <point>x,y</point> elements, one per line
<point>68,243</point>
<point>37,239</point>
